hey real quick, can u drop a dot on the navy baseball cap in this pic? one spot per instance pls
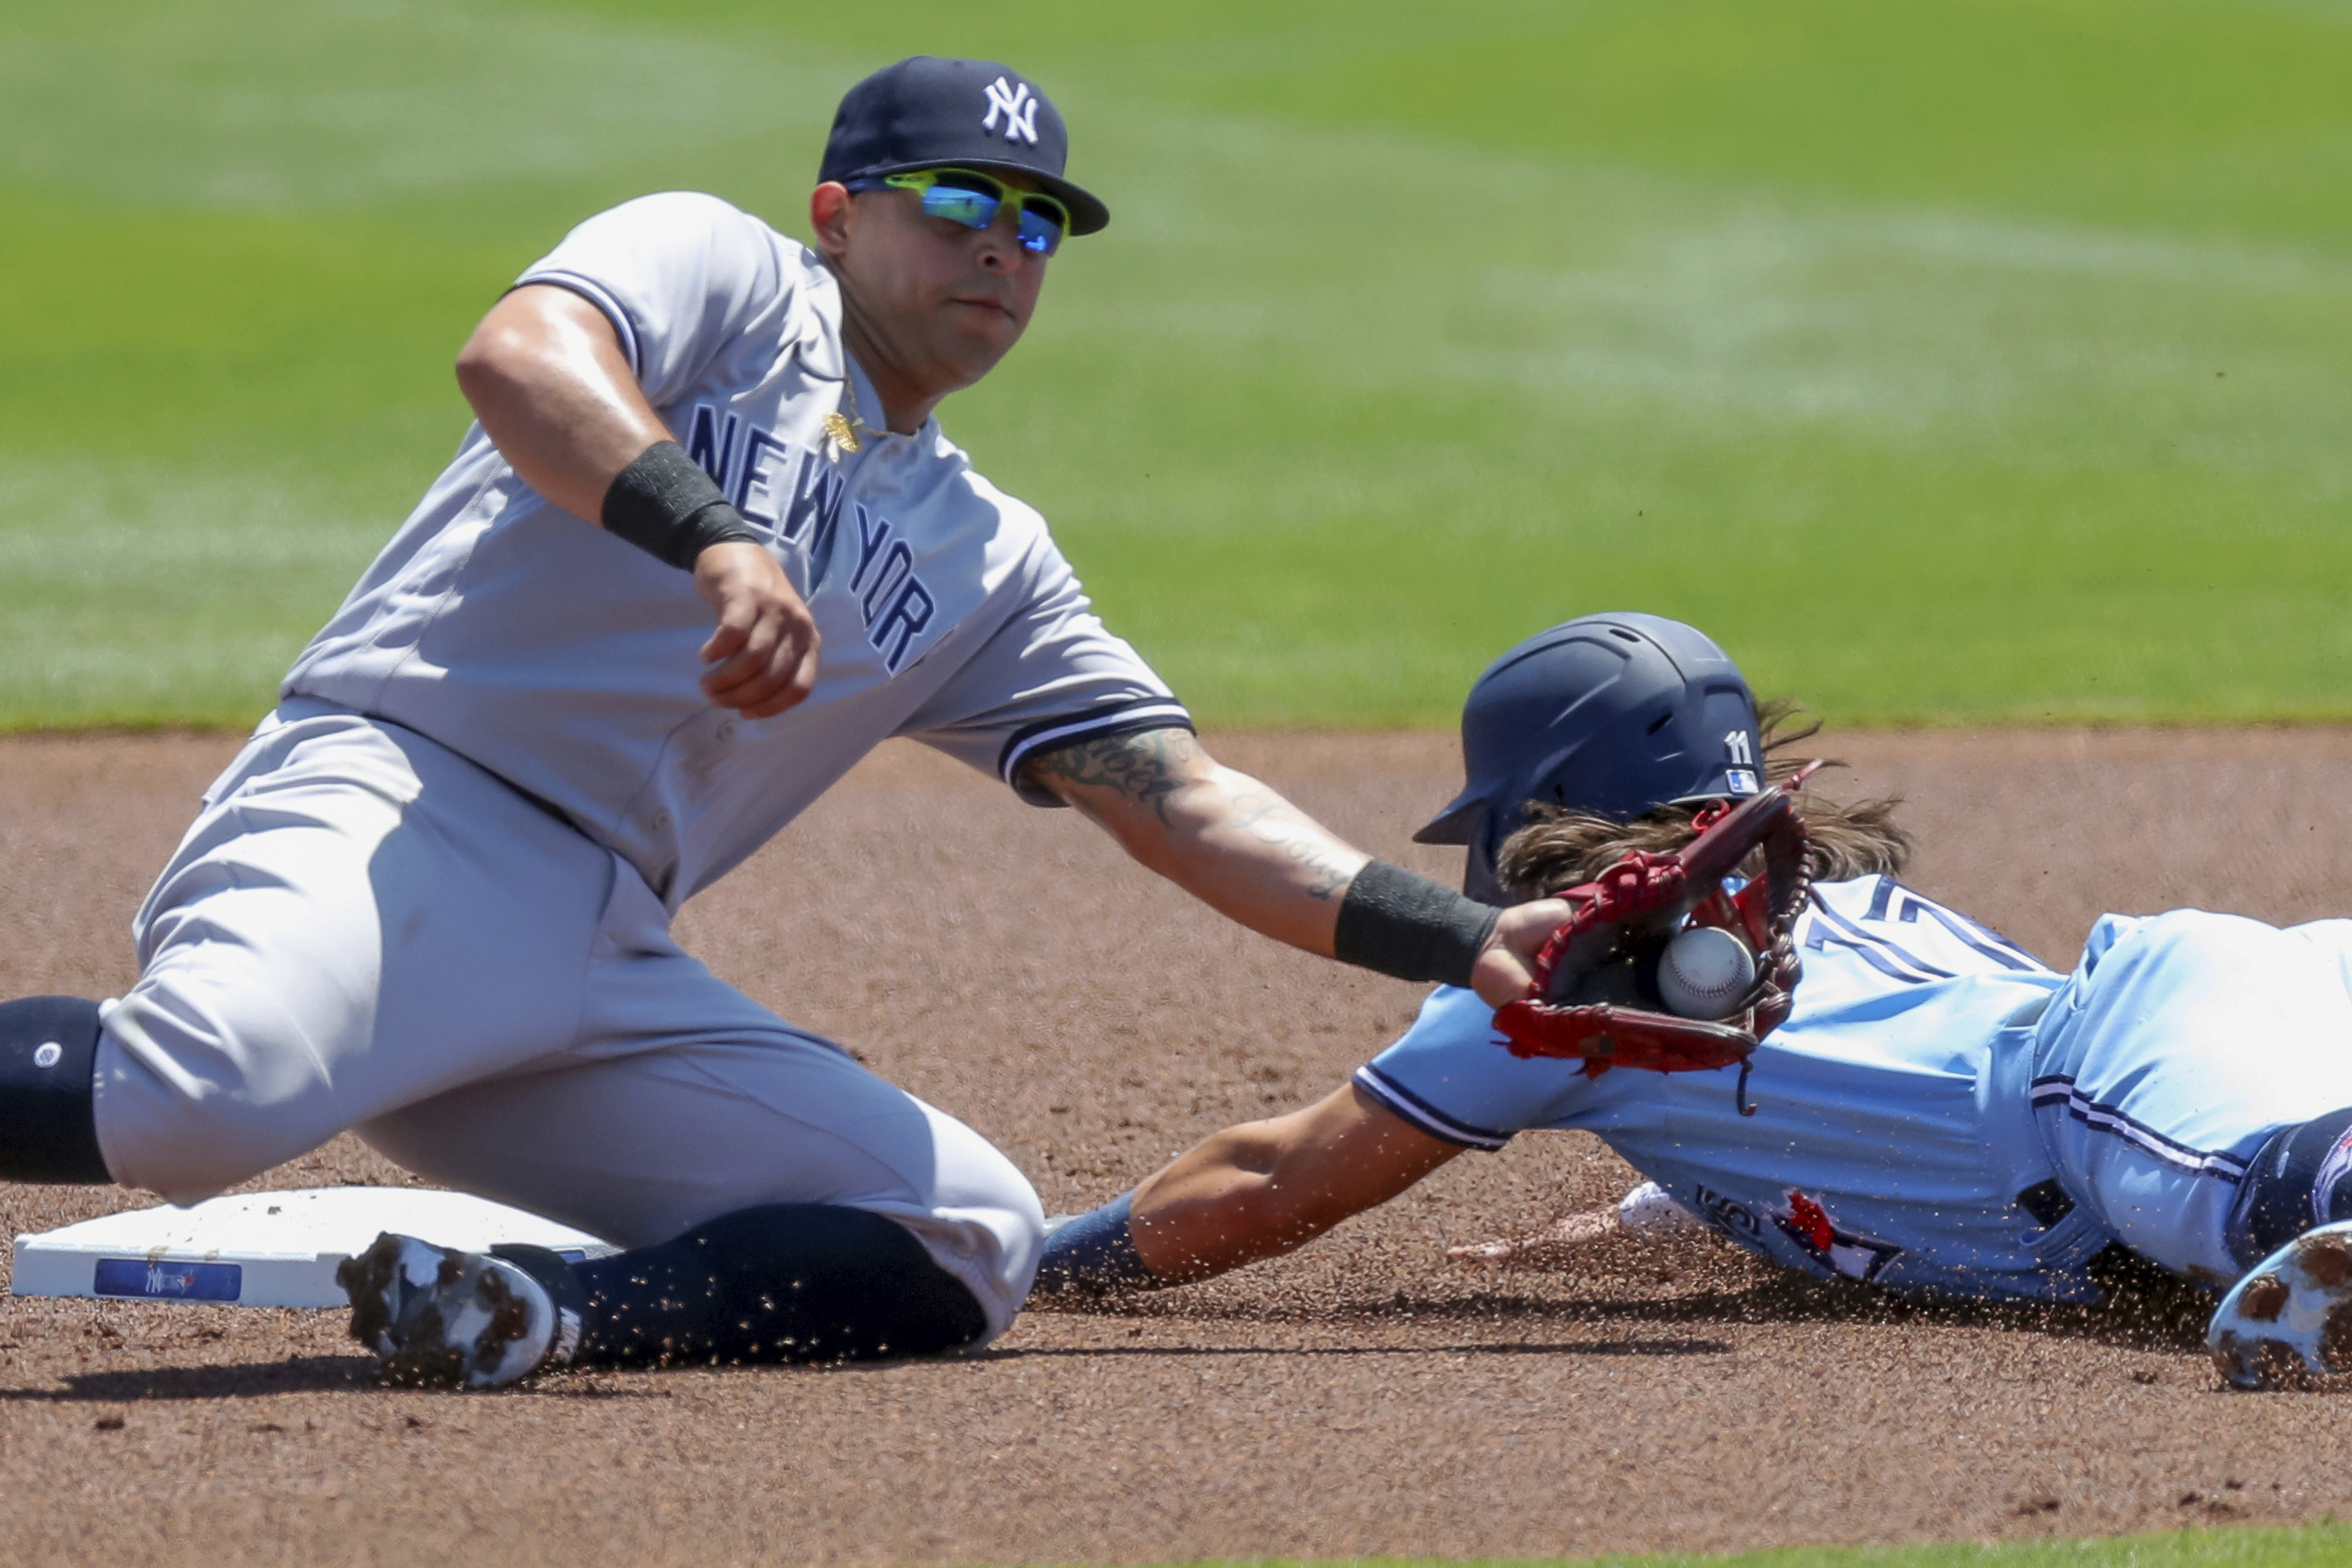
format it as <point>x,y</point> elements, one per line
<point>1613,715</point>
<point>932,113</point>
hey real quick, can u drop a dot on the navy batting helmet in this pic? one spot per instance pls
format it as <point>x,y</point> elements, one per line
<point>1613,715</point>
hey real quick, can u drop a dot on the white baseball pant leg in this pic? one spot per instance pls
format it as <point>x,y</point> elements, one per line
<point>2182,1042</point>
<point>363,930</point>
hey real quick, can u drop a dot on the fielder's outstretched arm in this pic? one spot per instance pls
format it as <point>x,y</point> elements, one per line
<point>1238,846</point>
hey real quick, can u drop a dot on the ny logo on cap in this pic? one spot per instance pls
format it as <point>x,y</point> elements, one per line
<point>1019,106</point>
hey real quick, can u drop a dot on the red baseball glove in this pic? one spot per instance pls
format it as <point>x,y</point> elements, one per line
<point>1596,998</point>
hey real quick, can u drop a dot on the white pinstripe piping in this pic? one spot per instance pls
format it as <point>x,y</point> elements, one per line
<point>1845,933</point>
<point>600,296</point>
<point>1117,718</point>
<point>1983,939</point>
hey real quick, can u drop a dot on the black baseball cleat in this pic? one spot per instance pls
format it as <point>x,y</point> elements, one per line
<point>2288,1323</point>
<point>439,1317</point>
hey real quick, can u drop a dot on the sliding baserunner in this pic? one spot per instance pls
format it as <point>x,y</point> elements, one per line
<point>1940,1113</point>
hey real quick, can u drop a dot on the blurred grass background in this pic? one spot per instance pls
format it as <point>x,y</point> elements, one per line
<point>1979,362</point>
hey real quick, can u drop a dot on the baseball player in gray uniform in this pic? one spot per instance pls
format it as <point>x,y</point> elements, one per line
<point>430,901</point>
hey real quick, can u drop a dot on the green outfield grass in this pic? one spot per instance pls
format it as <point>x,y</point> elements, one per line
<point>1984,361</point>
<point>2327,1544</point>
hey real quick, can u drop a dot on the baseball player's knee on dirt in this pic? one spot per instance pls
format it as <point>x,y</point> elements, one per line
<point>780,1283</point>
<point>48,1129</point>
<point>2301,1178</point>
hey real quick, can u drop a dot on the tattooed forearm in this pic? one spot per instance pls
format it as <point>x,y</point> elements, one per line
<point>1145,768</point>
<point>1329,864</point>
<point>1220,835</point>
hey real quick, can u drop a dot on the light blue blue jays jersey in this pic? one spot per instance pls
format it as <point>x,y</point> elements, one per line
<point>1941,1112</point>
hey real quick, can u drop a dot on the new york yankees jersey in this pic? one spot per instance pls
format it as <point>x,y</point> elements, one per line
<point>565,661</point>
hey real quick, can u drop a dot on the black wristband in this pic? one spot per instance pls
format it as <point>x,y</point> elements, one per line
<point>1402,923</point>
<point>667,506</point>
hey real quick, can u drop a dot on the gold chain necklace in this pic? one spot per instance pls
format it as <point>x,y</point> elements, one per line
<point>843,430</point>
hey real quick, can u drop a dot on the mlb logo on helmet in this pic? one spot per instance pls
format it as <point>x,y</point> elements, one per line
<point>1739,749</point>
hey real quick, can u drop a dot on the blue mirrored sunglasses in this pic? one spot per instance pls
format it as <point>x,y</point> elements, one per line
<point>973,200</point>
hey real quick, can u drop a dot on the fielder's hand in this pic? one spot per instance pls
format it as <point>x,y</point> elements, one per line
<point>1506,971</point>
<point>762,658</point>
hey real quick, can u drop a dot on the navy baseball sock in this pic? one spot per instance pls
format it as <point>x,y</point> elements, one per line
<point>1095,1253</point>
<point>2298,1180</point>
<point>48,1129</point>
<point>783,1282</point>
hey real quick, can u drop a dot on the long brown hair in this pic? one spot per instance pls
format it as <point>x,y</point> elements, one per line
<point>1560,849</point>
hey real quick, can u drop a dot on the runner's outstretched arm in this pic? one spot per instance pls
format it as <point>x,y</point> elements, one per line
<point>1250,1192</point>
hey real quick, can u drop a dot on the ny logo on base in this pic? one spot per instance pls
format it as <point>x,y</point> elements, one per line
<point>1019,106</point>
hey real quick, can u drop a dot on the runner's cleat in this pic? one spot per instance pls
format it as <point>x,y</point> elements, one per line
<point>439,1316</point>
<point>2288,1323</point>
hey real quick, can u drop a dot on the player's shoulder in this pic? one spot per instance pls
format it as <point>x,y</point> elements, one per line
<point>1019,519</point>
<point>692,220</point>
<point>1902,931</point>
<point>1452,1016</point>
<point>963,497</point>
<point>672,210</point>
<point>1854,897</point>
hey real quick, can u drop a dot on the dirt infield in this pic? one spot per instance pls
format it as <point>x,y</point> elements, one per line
<point>1365,1396</point>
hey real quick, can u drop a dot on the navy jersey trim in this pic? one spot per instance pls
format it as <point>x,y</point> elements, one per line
<point>1152,713</point>
<point>1876,951</point>
<point>1397,1098</point>
<point>2057,1089</point>
<point>596,294</point>
<point>1981,938</point>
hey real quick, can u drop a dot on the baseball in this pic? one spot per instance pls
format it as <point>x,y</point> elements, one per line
<point>1705,972</point>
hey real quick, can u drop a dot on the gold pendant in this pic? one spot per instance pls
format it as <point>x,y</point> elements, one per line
<point>842,436</point>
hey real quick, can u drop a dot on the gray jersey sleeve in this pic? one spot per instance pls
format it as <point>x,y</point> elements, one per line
<point>1050,676</point>
<point>680,276</point>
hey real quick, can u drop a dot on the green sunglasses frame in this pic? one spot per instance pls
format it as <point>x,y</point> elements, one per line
<point>924,181</point>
